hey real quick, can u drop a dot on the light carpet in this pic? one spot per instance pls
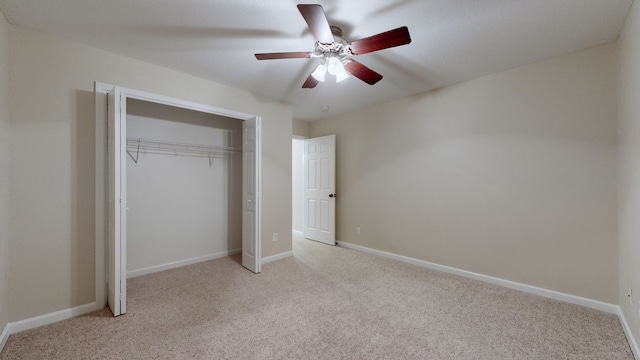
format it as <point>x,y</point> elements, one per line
<point>326,303</point>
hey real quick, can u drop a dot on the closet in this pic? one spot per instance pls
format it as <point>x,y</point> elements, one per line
<point>184,186</point>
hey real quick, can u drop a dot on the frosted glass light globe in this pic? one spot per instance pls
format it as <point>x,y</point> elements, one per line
<point>334,66</point>
<point>319,72</point>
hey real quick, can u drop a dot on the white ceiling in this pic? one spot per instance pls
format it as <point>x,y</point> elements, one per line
<point>452,40</point>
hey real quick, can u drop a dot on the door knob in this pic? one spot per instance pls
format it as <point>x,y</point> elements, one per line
<point>332,195</point>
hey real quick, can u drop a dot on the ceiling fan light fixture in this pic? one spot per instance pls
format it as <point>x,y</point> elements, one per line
<point>319,72</point>
<point>342,75</point>
<point>334,66</point>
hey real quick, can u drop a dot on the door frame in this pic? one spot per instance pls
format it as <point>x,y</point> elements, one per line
<point>101,181</point>
<point>300,183</point>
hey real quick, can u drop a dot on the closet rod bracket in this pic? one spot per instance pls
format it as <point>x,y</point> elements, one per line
<point>212,157</point>
<point>135,159</point>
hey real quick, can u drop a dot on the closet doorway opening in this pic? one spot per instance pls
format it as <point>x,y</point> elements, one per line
<point>184,187</point>
<point>114,153</point>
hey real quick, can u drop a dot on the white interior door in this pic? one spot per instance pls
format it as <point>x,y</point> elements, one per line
<point>319,189</point>
<point>250,195</point>
<point>116,148</point>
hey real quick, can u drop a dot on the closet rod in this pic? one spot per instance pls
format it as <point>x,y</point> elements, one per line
<point>174,148</point>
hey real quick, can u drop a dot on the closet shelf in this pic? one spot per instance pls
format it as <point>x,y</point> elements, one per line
<point>136,145</point>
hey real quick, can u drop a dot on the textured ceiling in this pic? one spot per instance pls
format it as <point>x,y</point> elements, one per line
<point>452,40</point>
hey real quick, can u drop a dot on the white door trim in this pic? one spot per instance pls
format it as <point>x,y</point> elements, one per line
<point>101,91</point>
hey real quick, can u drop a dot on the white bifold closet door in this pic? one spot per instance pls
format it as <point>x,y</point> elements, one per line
<point>117,200</point>
<point>250,196</point>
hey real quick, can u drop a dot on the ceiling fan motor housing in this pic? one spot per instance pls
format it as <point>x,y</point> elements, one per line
<point>339,47</point>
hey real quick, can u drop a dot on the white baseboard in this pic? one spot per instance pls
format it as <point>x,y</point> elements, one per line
<point>297,233</point>
<point>4,337</point>
<point>269,259</point>
<point>176,264</point>
<point>46,319</point>
<point>627,331</point>
<point>552,294</point>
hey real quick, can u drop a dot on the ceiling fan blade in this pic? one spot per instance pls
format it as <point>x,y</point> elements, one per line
<point>311,82</point>
<point>314,15</point>
<point>385,40</point>
<point>362,72</point>
<point>283,55</point>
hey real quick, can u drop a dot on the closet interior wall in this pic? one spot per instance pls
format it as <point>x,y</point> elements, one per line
<point>182,207</point>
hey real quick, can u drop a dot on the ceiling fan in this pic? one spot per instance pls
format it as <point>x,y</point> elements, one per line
<point>336,52</point>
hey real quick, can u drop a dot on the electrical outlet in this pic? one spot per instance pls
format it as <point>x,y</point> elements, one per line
<point>630,295</point>
<point>358,230</point>
<point>275,237</point>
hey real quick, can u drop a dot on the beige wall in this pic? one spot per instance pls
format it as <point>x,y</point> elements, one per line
<point>629,173</point>
<point>301,128</point>
<point>4,171</point>
<point>511,175</point>
<point>52,162</point>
